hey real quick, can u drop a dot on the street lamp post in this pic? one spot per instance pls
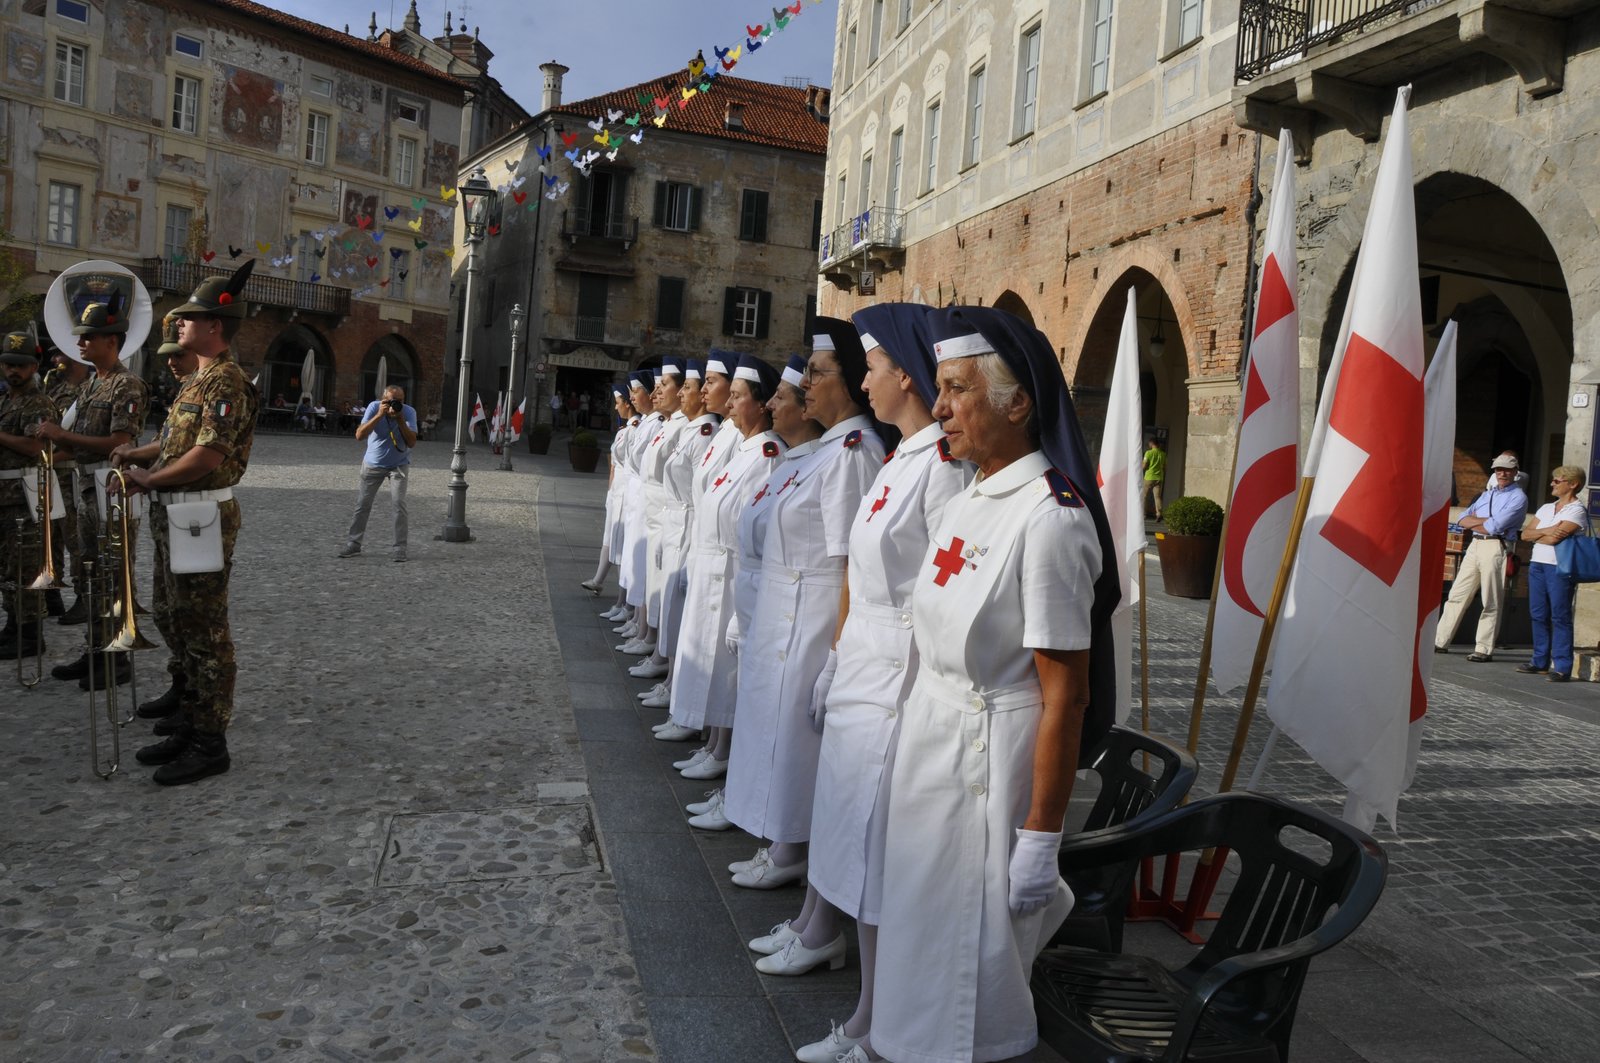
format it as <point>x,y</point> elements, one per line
<point>477,202</point>
<point>511,393</point>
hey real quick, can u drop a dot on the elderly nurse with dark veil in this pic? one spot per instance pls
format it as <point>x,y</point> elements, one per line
<point>1011,608</point>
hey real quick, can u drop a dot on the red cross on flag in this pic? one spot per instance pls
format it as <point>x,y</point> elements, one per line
<point>1343,667</point>
<point>477,414</point>
<point>1121,470</point>
<point>1267,466</point>
<point>499,414</point>
<point>515,432</point>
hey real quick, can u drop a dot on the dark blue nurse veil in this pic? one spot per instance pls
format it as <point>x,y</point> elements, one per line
<point>1028,354</point>
<point>901,329</point>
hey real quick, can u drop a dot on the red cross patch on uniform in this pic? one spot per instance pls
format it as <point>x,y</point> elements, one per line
<point>852,439</point>
<point>1061,487</point>
<point>769,449</point>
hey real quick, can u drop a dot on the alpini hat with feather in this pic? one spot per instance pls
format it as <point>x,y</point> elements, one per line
<point>219,296</point>
<point>19,349</point>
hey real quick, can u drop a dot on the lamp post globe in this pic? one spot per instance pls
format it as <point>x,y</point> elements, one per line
<point>477,207</point>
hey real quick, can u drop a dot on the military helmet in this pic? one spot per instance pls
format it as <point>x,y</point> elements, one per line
<point>219,296</point>
<point>19,348</point>
<point>100,319</point>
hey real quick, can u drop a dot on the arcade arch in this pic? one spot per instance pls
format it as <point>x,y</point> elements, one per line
<point>400,367</point>
<point>286,355</point>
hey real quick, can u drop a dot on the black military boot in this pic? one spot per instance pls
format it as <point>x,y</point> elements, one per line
<point>21,641</point>
<point>78,614</point>
<point>205,754</point>
<point>53,604</point>
<point>78,669</point>
<point>110,669</point>
<point>168,749</point>
<point>166,704</point>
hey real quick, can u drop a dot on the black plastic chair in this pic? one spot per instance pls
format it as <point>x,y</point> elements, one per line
<point>1128,795</point>
<point>1236,1000</point>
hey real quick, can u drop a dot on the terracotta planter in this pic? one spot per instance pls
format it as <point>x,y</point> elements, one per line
<point>538,442</point>
<point>583,459</point>
<point>1188,563</point>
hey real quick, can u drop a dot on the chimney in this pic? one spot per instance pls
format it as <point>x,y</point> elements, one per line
<point>733,116</point>
<point>552,84</point>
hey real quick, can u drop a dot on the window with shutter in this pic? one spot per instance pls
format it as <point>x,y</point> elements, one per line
<point>745,313</point>
<point>677,206</point>
<point>669,302</point>
<point>753,216</point>
<point>763,314</point>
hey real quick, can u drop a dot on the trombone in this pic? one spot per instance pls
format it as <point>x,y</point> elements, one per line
<point>116,564</point>
<point>48,578</point>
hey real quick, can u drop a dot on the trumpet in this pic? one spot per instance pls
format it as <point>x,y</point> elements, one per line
<point>120,543</point>
<point>48,579</point>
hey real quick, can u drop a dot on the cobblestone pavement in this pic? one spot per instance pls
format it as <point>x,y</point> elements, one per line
<point>402,863</point>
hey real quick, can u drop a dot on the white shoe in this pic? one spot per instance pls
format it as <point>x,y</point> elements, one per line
<point>675,734</point>
<point>797,959</point>
<point>662,700</point>
<point>627,629</point>
<point>692,759</point>
<point>663,725</point>
<point>637,648</point>
<point>761,857</point>
<point>831,1048</point>
<point>708,768</point>
<point>615,613</point>
<point>650,668</point>
<point>857,1054</point>
<point>593,586</point>
<point>695,808</point>
<point>659,688</point>
<point>770,876</point>
<point>712,818</point>
<point>773,941</point>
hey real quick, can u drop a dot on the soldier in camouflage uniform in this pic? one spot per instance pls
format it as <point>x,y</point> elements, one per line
<point>62,383</point>
<point>22,408</point>
<point>181,364</point>
<point>203,451</point>
<point>111,411</point>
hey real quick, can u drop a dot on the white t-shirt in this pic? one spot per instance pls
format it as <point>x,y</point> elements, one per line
<point>1547,517</point>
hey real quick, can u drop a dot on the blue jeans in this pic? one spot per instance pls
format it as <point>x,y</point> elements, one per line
<point>1550,606</point>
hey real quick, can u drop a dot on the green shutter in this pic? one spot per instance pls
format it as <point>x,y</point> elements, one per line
<point>730,310</point>
<point>763,314</point>
<point>661,203</point>
<point>761,218</point>
<point>694,208</point>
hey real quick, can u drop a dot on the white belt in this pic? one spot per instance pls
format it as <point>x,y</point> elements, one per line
<point>826,577</point>
<point>106,464</point>
<point>1025,695</point>
<point>17,474</point>
<point>173,498</point>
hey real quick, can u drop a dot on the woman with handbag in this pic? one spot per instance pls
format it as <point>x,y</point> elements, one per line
<point>1550,591</point>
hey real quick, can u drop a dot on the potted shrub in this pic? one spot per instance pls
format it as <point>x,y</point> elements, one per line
<point>584,451</point>
<point>539,438</point>
<point>1188,547</point>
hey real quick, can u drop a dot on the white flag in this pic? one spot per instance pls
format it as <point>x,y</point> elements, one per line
<point>494,422</point>
<point>1121,469</point>
<point>477,414</point>
<point>516,422</point>
<point>1267,469</point>
<point>1345,656</point>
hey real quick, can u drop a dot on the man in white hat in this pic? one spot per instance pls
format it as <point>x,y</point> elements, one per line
<point>1493,520</point>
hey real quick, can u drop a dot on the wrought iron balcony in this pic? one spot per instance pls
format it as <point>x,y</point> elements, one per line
<point>581,222</point>
<point>163,276</point>
<point>590,329</point>
<point>872,232</point>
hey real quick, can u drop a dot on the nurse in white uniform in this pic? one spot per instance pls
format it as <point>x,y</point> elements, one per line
<point>652,469</point>
<point>800,436</point>
<point>611,540</point>
<point>772,771</point>
<point>1012,610</point>
<point>860,692</point>
<point>705,670</point>
<point>632,571</point>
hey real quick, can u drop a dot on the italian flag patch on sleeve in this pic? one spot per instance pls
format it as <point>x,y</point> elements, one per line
<point>223,408</point>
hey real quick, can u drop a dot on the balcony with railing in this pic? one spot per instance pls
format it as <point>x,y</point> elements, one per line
<point>1344,58</point>
<point>162,276</point>
<point>613,227</point>
<point>590,329</point>
<point>875,237</point>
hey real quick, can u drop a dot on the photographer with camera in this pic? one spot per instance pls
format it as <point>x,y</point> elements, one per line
<point>389,428</point>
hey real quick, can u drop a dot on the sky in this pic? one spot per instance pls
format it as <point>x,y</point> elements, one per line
<point>608,44</point>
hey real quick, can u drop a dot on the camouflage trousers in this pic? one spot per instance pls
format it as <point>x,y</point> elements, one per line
<point>196,624</point>
<point>21,552</point>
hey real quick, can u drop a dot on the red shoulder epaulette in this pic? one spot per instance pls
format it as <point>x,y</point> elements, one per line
<point>852,439</point>
<point>1061,487</point>
<point>769,449</point>
<point>706,429</point>
<point>944,449</point>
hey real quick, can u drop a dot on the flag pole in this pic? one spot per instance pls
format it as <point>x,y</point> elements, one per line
<point>1269,624</point>
<point>1200,681</point>
<point>1144,657</point>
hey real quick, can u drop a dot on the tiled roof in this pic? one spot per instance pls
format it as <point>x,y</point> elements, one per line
<point>774,115</point>
<point>341,40</point>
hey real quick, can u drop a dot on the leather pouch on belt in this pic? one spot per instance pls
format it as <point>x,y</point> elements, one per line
<point>194,537</point>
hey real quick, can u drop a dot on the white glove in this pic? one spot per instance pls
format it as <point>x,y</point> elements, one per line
<point>819,692</point>
<point>1033,872</point>
<point>733,634</point>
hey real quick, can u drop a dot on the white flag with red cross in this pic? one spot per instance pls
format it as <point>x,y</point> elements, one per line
<point>477,415</point>
<point>1343,666</point>
<point>1121,469</point>
<point>494,422</point>
<point>516,422</point>
<point>1267,467</point>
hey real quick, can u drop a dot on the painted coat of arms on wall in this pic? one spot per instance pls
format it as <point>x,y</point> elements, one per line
<point>252,108</point>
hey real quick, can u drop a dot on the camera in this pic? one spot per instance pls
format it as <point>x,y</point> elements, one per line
<point>392,405</point>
